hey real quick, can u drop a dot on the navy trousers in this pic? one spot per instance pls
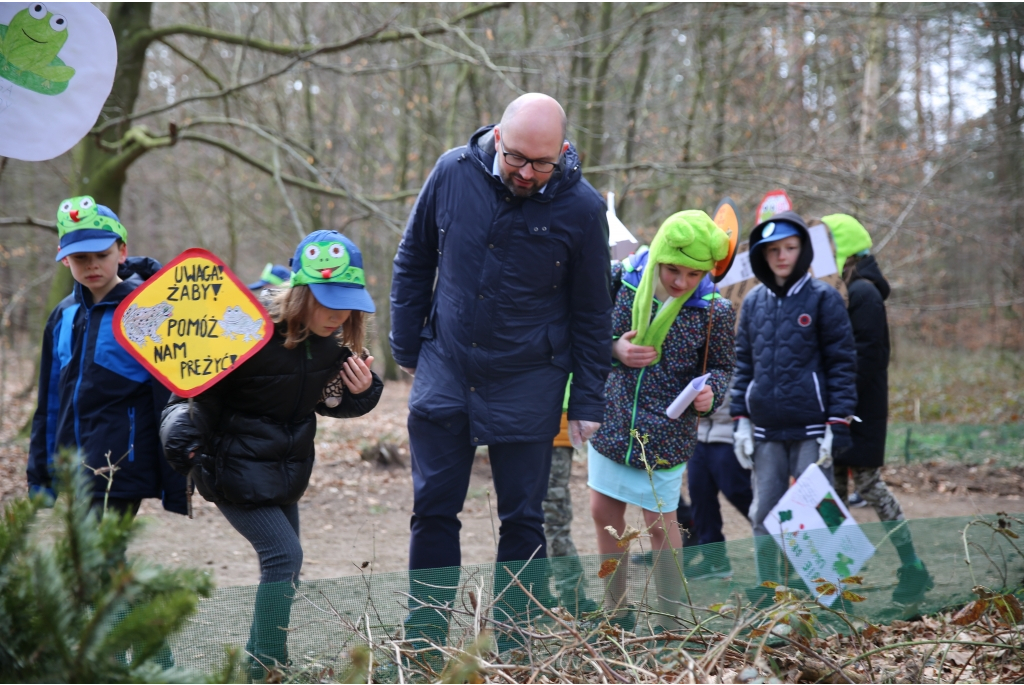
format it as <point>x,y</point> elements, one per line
<point>442,460</point>
<point>441,465</point>
<point>713,468</point>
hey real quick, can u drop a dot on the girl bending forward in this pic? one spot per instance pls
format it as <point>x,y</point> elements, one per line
<point>248,442</point>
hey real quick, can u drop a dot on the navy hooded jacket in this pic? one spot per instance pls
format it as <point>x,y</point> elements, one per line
<point>796,363</point>
<point>521,299</point>
<point>96,398</point>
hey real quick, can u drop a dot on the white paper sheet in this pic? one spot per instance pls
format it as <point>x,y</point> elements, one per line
<point>36,126</point>
<point>620,240</point>
<point>837,549</point>
<point>687,396</point>
<point>824,262</point>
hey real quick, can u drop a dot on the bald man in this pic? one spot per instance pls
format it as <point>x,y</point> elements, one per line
<point>500,291</point>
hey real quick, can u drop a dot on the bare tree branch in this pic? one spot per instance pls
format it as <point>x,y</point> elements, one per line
<point>50,226</point>
<point>377,37</point>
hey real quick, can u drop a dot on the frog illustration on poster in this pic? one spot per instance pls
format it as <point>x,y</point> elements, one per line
<point>57,64</point>
<point>817,533</point>
<point>192,323</point>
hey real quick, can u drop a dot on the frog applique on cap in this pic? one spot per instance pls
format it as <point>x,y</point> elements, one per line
<point>84,226</point>
<point>332,266</point>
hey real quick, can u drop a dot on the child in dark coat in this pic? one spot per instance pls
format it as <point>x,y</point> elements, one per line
<point>868,290</point>
<point>94,397</point>
<point>248,442</point>
<point>794,391</point>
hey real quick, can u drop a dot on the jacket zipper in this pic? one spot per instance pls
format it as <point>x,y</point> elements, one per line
<point>632,421</point>
<point>636,398</point>
<point>81,370</point>
<point>131,434</point>
<point>302,382</point>
<point>817,390</point>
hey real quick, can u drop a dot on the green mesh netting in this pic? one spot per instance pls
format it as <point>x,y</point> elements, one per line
<point>329,617</point>
<point>970,443</point>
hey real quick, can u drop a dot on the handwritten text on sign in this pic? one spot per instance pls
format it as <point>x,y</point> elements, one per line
<point>192,322</point>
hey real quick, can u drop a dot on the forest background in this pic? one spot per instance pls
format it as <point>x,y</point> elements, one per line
<point>241,127</point>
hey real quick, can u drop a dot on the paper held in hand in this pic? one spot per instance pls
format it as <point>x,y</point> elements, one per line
<point>816,531</point>
<point>687,396</point>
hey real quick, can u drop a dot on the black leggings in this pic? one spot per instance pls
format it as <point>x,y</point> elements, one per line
<point>274,533</point>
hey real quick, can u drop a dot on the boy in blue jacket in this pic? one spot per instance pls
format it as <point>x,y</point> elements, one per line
<point>94,397</point>
<point>795,386</point>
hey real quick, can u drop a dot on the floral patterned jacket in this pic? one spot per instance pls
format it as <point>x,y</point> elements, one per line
<point>638,398</point>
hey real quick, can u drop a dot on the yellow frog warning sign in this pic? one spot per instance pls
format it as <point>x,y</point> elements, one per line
<point>192,323</point>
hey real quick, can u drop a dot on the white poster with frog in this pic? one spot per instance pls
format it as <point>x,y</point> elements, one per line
<point>57,64</point>
<point>816,531</point>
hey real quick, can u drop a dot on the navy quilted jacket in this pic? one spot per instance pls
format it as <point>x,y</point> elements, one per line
<point>95,397</point>
<point>495,299</point>
<point>796,363</point>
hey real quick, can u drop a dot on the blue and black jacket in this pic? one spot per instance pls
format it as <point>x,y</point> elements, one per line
<point>96,398</point>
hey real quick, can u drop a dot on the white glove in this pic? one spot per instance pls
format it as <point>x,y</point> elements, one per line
<point>580,432</point>
<point>825,451</point>
<point>743,443</point>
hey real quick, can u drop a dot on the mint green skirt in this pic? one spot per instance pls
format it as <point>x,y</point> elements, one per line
<point>658,491</point>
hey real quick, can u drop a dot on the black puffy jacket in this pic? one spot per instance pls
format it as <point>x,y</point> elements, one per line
<point>868,291</point>
<point>796,364</point>
<point>253,433</point>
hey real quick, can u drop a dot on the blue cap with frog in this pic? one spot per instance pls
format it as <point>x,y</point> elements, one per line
<point>332,266</point>
<point>84,226</point>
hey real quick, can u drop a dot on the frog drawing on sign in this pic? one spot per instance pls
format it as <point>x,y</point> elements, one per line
<point>29,47</point>
<point>236,322</point>
<point>142,322</point>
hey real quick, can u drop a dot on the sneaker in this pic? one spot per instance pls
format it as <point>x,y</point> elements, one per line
<point>914,582</point>
<point>709,568</point>
<point>856,501</point>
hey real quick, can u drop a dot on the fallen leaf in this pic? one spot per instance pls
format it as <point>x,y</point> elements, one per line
<point>1009,608</point>
<point>769,584</point>
<point>853,580</point>
<point>970,613</point>
<point>608,567</point>
<point>870,631</point>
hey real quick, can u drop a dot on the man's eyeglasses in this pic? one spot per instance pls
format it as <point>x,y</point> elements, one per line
<point>518,161</point>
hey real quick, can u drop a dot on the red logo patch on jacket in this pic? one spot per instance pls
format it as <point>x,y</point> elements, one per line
<point>804,320</point>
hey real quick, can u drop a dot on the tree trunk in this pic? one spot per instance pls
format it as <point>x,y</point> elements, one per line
<point>102,173</point>
<point>591,152</point>
<point>869,97</point>
<point>922,133</point>
<point>579,70</point>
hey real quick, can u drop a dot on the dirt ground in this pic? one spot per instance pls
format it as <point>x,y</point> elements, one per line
<point>356,511</point>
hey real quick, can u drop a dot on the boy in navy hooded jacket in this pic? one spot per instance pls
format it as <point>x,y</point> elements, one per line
<point>795,386</point>
<point>94,397</point>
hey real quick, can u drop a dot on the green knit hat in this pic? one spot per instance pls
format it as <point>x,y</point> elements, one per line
<point>849,235</point>
<point>690,239</point>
